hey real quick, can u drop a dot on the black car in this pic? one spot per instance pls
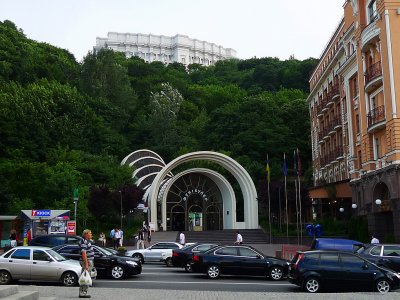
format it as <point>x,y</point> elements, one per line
<point>182,258</point>
<point>339,270</point>
<point>383,255</point>
<point>105,262</point>
<point>52,240</point>
<point>238,260</point>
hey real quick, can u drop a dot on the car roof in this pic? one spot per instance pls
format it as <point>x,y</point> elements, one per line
<point>32,247</point>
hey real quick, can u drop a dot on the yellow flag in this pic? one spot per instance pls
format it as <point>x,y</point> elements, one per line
<point>268,172</point>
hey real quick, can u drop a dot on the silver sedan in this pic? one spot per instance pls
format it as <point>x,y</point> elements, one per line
<point>155,252</point>
<point>38,263</point>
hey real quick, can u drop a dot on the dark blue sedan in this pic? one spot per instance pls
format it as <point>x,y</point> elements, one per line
<point>239,260</point>
<point>383,255</point>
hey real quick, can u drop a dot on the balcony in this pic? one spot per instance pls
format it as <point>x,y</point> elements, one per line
<point>369,35</point>
<point>373,77</point>
<point>376,118</point>
<point>335,92</point>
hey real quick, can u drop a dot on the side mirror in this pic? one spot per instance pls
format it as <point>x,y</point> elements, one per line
<point>259,256</point>
<point>49,259</point>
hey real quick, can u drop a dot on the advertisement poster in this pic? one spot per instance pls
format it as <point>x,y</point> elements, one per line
<point>71,227</point>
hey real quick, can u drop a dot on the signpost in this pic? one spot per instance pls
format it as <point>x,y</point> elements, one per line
<point>76,198</point>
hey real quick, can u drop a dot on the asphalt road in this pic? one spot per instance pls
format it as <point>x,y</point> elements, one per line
<point>160,282</point>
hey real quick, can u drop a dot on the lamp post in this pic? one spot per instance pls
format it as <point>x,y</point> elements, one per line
<point>120,194</point>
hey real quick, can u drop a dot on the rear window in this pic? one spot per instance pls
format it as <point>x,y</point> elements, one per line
<point>329,259</point>
<point>311,259</point>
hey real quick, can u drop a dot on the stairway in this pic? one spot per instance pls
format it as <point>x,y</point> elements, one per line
<point>227,236</point>
<point>11,292</point>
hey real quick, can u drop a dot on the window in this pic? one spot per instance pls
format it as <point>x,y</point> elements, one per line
<point>22,254</point>
<point>311,259</point>
<point>227,251</point>
<point>358,123</point>
<point>378,155</point>
<point>376,251</point>
<point>351,261</point>
<point>73,240</point>
<point>329,259</point>
<point>202,248</point>
<point>372,13</point>
<point>391,251</point>
<point>40,255</point>
<point>247,252</point>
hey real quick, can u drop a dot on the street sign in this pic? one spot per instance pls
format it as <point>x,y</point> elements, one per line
<point>71,227</point>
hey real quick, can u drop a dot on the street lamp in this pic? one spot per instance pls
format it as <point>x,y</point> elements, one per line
<point>120,194</point>
<point>341,209</point>
<point>378,201</point>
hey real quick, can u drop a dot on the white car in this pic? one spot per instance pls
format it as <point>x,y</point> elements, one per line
<point>38,263</point>
<point>154,252</point>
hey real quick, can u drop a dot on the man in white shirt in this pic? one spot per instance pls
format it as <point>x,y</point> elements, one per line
<point>181,238</point>
<point>374,240</point>
<point>239,238</point>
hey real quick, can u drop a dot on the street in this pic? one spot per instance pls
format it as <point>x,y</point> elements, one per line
<point>160,282</point>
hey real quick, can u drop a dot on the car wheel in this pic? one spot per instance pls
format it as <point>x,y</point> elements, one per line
<point>312,285</point>
<point>69,279</point>
<point>138,256</point>
<point>382,286</point>
<point>188,266</point>
<point>213,271</point>
<point>276,273</point>
<point>117,272</point>
<point>5,277</point>
<point>168,262</point>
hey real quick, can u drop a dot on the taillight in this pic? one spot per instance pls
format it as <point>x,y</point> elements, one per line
<point>196,258</point>
<point>296,265</point>
<point>174,253</point>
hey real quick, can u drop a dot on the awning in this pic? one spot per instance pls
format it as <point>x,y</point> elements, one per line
<point>343,190</point>
<point>7,218</point>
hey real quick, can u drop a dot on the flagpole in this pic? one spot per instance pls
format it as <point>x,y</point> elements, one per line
<point>298,178</point>
<point>269,201</point>
<point>297,207</point>
<point>287,215</point>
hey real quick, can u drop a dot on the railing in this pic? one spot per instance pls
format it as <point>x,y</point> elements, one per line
<point>334,91</point>
<point>373,72</point>
<point>376,115</point>
<point>331,156</point>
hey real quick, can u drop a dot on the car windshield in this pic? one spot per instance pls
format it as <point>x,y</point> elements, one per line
<point>105,251</point>
<point>56,256</point>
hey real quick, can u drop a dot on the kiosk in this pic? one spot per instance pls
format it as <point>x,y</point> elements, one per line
<point>44,221</point>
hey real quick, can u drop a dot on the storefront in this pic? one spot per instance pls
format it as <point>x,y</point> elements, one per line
<point>44,221</point>
<point>6,224</point>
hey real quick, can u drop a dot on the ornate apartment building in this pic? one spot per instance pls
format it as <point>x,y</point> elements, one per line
<point>354,103</point>
<point>178,48</point>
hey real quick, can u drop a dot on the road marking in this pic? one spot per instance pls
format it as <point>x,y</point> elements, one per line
<point>191,282</point>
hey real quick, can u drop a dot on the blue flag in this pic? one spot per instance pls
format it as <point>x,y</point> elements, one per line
<point>284,165</point>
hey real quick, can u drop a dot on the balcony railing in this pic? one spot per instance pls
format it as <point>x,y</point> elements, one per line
<point>373,72</point>
<point>331,156</point>
<point>376,115</point>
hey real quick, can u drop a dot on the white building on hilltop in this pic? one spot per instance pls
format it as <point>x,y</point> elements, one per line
<point>178,48</point>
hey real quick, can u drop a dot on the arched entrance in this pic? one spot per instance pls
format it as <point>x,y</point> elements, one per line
<point>194,202</point>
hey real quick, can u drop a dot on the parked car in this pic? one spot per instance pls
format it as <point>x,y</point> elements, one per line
<point>154,252</point>
<point>38,263</point>
<point>238,260</point>
<point>336,244</point>
<point>182,258</point>
<point>52,240</point>
<point>339,270</point>
<point>105,262</point>
<point>383,255</point>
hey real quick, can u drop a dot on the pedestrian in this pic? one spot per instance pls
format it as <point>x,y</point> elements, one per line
<point>13,238</point>
<point>182,238</point>
<point>121,239</point>
<point>239,238</point>
<point>374,240</point>
<point>102,239</point>
<point>140,243</point>
<point>149,235</point>
<point>29,235</point>
<point>87,258</point>
<point>117,238</point>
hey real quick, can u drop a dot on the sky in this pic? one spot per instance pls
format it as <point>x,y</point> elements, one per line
<point>254,28</point>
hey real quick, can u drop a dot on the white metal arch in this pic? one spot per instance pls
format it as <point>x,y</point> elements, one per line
<point>227,192</point>
<point>243,178</point>
<point>141,150</point>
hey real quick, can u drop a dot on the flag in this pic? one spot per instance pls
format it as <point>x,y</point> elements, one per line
<point>268,170</point>
<point>298,163</point>
<point>284,165</point>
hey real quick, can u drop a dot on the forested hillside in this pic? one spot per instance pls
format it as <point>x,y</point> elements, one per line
<point>65,124</point>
